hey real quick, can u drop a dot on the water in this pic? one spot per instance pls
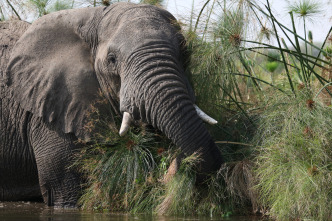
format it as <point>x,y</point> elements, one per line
<point>31,211</point>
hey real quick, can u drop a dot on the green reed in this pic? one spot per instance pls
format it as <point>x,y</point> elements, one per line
<point>294,157</point>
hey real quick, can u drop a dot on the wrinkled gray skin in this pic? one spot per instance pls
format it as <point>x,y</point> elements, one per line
<point>132,53</point>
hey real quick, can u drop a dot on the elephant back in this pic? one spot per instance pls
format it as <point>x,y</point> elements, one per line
<point>10,32</point>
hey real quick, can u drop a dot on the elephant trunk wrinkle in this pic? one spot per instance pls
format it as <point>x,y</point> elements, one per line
<point>155,51</point>
<point>179,121</point>
<point>161,95</point>
<point>153,68</point>
<point>168,107</point>
<point>151,47</point>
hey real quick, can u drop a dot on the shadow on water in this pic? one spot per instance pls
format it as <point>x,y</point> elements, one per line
<point>31,211</point>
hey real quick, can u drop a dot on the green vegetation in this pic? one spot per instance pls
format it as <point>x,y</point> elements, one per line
<point>44,7</point>
<point>294,161</point>
<point>152,2</point>
<point>116,169</point>
<point>127,174</point>
<point>273,105</point>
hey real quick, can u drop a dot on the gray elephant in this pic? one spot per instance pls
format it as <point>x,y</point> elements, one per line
<point>133,53</point>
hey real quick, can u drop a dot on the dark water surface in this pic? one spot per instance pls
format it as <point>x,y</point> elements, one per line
<point>29,211</point>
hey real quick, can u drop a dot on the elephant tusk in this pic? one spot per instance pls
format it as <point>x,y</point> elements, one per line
<point>204,116</point>
<point>125,125</point>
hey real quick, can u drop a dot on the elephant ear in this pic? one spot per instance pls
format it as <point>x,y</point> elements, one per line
<point>51,72</point>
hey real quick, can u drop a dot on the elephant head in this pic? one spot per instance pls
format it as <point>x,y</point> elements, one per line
<point>132,53</point>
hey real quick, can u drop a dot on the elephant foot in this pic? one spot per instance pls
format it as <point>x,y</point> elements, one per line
<point>58,204</point>
<point>60,200</point>
<point>62,195</point>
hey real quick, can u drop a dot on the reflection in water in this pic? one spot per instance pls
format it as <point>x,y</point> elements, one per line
<point>31,211</point>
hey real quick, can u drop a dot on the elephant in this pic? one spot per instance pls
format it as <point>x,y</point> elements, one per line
<point>52,71</point>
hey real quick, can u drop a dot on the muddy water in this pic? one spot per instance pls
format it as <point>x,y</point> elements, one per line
<point>30,211</point>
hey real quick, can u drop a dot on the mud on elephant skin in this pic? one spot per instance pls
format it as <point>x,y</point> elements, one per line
<point>132,53</point>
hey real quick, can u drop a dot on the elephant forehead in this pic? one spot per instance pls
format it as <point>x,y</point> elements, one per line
<point>127,18</point>
<point>132,36</point>
<point>122,12</point>
<point>138,31</point>
<point>148,26</point>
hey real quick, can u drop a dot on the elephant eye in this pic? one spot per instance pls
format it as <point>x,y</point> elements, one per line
<point>111,58</point>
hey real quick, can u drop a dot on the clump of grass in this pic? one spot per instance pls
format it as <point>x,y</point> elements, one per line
<point>127,174</point>
<point>226,192</point>
<point>150,194</point>
<point>229,191</point>
<point>180,192</point>
<point>294,162</point>
<point>117,169</point>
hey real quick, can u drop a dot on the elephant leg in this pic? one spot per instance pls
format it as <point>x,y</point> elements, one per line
<point>54,151</point>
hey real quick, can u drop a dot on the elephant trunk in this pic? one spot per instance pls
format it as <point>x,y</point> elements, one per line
<point>180,122</point>
<point>184,127</point>
<point>165,101</point>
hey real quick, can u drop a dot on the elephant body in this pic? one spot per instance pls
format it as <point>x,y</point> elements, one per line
<point>50,77</point>
<point>18,163</point>
<point>23,154</point>
<point>14,169</point>
<point>22,140</point>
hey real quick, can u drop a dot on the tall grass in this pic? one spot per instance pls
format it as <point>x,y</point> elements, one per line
<point>180,192</point>
<point>118,169</point>
<point>223,72</point>
<point>213,60</point>
<point>115,171</point>
<point>294,161</point>
<point>307,66</point>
